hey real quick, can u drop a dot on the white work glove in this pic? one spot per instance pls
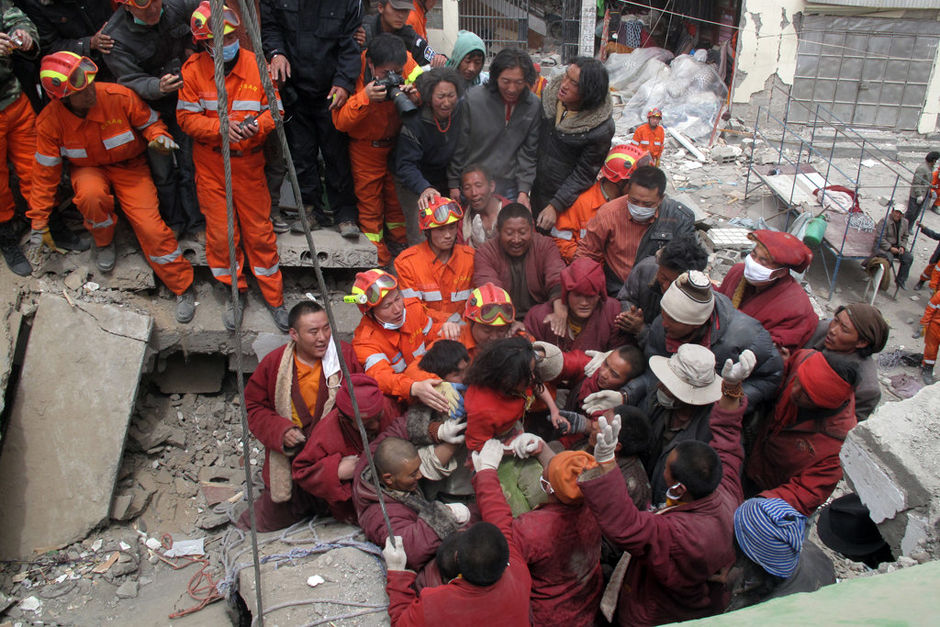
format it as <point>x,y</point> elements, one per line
<point>489,457</point>
<point>477,232</point>
<point>460,511</point>
<point>395,556</point>
<point>451,432</point>
<point>164,144</point>
<point>601,401</point>
<point>597,358</point>
<point>734,373</point>
<point>525,444</point>
<point>606,439</point>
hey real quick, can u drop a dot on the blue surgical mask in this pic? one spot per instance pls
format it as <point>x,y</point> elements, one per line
<point>143,23</point>
<point>388,326</point>
<point>230,51</point>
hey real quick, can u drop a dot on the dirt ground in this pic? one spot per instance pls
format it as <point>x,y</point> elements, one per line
<point>183,469</point>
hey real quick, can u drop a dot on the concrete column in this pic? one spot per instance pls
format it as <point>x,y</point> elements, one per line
<point>588,19</point>
<point>443,40</point>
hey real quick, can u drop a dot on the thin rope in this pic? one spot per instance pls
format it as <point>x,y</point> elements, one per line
<point>247,9</point>
<point>217,26</point>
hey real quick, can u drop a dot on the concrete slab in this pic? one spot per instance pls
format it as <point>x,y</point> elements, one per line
<point>333,251</point>
<point>10,320</point>
<point>351,576</point>
<point>67,425</point>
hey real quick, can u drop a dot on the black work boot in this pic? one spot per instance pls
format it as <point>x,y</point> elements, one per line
<point>919,286</point>
<point>926,374</point>
<point>12,253</point>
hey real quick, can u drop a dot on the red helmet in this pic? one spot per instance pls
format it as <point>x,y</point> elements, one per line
<point>371,287</point>
<point>65,73</point>
<point>136,4</point>
<point>490,305</point>
<point>654,113</point>
<point>200,21</point>
<point>440,212</point>
<point>622,160</point>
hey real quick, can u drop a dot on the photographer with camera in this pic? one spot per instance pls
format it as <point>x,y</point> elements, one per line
<point>372,118</point>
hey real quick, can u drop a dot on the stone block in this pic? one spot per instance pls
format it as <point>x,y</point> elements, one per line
<point>728,238</point>
<point>70,414</point>
<point>332,251</point>
<point>875,487</point>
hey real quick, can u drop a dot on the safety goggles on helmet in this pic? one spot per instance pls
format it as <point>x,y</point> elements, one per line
<point>490,305</point>
<point>440,212</point>
<point>623,160</point>
<point>374,285</point>
<point>654,113</point>
<point>200,23</point>
<point>64,73</point>
<point>136,4</point>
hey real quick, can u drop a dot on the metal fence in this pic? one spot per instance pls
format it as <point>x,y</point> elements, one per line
<point>499,23</point>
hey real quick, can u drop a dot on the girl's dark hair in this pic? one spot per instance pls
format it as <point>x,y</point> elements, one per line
<point>428,81</point>
<point>593,84</point>
<point>509,58</point>
<point>444,357</point>
<point>503,365</point>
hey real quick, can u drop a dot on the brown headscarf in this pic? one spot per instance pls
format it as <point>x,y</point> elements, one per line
<point>869,323</point>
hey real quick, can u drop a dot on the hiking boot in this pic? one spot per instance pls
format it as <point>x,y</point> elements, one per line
<point>926,374</point>
<point>186,306</point>
<point>16,260</point>
<point>919,286</point>
<point>298,227</point>
<point>107,256</point>
<point>67,239</point>
<point>228,314</point>
<point>280,317</point>
<point>349,230</point>
<point>279,224</point>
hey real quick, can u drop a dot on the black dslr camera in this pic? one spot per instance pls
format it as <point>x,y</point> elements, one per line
<point>391,84</point>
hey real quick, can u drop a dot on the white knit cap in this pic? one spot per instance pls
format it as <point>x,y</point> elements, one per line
<point>689,300</point>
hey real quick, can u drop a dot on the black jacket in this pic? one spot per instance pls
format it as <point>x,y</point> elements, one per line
<point>731,333</point>
<point>316,36</point>
<point>572,152</point>
<point>423,151</point>
<point>142,54</point>
<point>421,51</point>
<point>68,24</point>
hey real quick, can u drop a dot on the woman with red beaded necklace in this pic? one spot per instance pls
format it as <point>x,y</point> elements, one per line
<point>425,146</point>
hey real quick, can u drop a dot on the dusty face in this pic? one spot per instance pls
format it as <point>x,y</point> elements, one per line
<point>677,330</point>
<point>484,334</point>
<point>511,84</point>
<point>443,100</point>
<point>515,236</point>
<point>149,16</point>
<point>391,310</point>
<point>569,93</point>
<point>842,336</point>
<point>477,190</point>
<point>581,306</point>
<point>458,375</point>
<point>471,66</point>
<point>312,335</point>
<point>613,372</point>
<point>407,477</point>
<point>442,238</point>
<point>82,101</point>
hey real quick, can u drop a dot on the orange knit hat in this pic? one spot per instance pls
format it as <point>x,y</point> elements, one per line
<point>563,472</point>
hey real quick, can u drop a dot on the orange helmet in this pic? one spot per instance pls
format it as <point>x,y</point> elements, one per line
<point>622,160</point>
<point>64,73</point>
<point>371,287</point>
<point>200,21</point>
<point>490,305</point>
<point>440,212</point>
<point>654,113</point>
<point>137,4</point>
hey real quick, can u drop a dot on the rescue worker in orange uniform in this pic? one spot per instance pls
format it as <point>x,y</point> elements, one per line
<point>930,329</point>
<point>250,122</point>
<point>612,182</point>
<point>98,128</point>
<point>437,272</point>
<point>17,130</point>
<point>489,315</point>
<point>392,335</point>
<point>372,123</point>
<point>651,136</point>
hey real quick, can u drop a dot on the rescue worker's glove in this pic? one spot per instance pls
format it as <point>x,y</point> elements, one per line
<point>41,237</point>
<point>395,556</point>
<point>489,457</point>
<point>601,401</point>
<point>454,398</point>
<point>164,144</point>
<point>451,432</point>
<point>607,439</point>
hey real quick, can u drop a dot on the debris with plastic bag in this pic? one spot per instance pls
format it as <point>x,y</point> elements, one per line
<point>689,93</point>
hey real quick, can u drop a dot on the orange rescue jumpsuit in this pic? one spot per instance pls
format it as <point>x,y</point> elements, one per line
<point>105,152</point>
<point>931,322</point>
<point>935,187</point>
<point>571,224</point>
<point>418,19</point>
<point>651,139</point>
<point>442,287</point>
<point>18,145</point>
<point>385,353</point>
<point>197,114</point>
<point>372,128</point>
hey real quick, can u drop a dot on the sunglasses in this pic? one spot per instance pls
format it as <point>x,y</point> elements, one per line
<point>377,291</point>
<point>494,311</point>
